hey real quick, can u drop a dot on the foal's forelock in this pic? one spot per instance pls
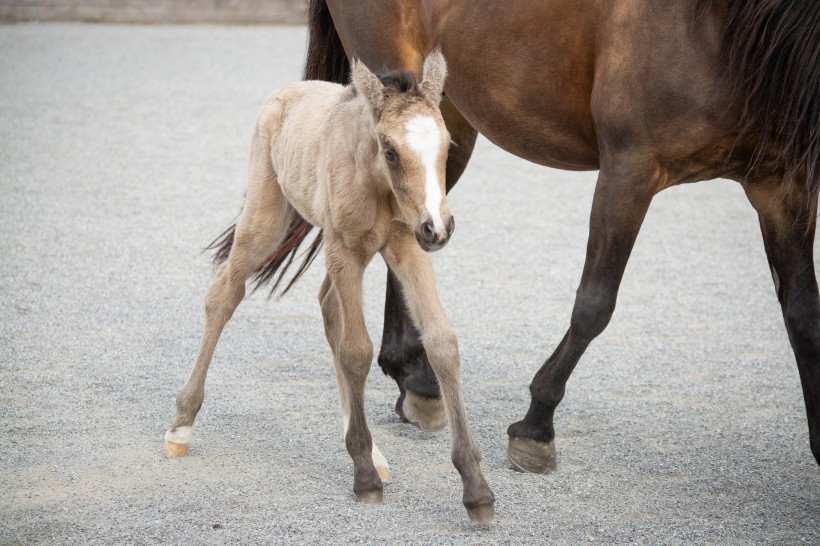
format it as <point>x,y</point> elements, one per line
<point>424,139</point>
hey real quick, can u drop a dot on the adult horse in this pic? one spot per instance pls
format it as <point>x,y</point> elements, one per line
<point>653,94</point>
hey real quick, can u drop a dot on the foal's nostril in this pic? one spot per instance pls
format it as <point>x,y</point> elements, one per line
<point>428,230</point>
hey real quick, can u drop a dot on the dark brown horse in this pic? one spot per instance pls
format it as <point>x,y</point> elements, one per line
<point>650,92</point>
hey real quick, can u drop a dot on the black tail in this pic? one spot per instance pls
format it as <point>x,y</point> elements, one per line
<point>326,59</point>
<point>280,261</point>
<point>774,60</point>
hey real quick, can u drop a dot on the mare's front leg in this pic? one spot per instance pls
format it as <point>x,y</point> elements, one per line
<point>788,228</point>
<point>352,355</point>
<point>402,355</point>
<point>413,269</point>
<point>622,197</point>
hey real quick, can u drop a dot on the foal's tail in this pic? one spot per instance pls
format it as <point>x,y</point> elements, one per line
<point>282,258</point>
<point>773,48</point>
<point>326,59</point>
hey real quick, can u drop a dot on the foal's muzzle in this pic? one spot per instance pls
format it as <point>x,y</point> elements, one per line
<point>430,239</point>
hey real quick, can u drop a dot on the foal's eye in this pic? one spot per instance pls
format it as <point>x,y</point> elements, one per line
<point>390,155</point>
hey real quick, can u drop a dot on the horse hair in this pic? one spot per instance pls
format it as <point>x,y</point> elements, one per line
<point>401,80</point>
<point>773,50</point>
<point>281,259</point>
<point>326,59</point>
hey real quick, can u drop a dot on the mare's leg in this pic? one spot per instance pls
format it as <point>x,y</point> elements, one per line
<point>352,355</point>
<point>260,227</point>
<point>413,269</point>
<point>622,197</point>
<point>788,229</point>
<point>402,355</point>
<point>328,299</point>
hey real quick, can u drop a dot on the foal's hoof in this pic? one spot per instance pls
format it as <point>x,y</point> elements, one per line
<point>484,513</point>
<point>172,450</point>
<point>384,473</point>
<point>372,496</point>
<point>528,455</point>
<point>177,442</point>
<point>426,413</point>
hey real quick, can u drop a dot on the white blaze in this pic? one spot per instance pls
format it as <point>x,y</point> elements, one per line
<point>424,139</point>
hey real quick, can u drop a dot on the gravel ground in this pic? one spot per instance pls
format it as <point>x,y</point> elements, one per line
<point>123,151</point>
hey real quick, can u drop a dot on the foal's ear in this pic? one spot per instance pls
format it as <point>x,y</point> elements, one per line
<point>369,85</point>
<point>435,72</point>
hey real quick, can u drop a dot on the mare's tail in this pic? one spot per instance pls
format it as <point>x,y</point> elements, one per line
<point>326,59</point>
<point>773,48</point>
<point>278,263</point>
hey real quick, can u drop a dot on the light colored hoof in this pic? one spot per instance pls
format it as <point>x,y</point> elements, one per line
<point>528,455</point>
<point>172,450</point>
<point>426,413</point>
<point>481,514</point>
<point>384,474</point>
<point>178,441</point>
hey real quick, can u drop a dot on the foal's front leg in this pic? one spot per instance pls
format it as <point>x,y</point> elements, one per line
<point>412,267</point>
<point>352,354</point>
<point>329,301</point>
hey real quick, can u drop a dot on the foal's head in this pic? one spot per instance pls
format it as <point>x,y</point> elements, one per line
<point>413,144</point>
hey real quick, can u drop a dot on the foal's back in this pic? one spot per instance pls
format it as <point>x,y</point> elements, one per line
<point>316,130</point>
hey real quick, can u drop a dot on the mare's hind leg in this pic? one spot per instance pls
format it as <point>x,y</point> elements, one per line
<point>788,229</point>
<point>622,197</point>
<point>333,332</point>
<point>413,268</point>
<point>352,355</point>
<point>402,355</point>
<point>259,230</point>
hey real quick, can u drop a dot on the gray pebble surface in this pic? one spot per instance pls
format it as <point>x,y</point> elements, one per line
<point>123,151</point>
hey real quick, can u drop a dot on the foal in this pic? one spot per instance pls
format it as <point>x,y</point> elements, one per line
<point>365,163</point>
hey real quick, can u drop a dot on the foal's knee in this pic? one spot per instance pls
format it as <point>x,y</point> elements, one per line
<point>356,356</point>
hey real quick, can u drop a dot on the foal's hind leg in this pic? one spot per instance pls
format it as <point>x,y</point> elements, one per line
<point>333,331</point>
<point>622,197</point>
<point>352,354</point>
<point>413,268</point>
<point>402,354</point>
<point>259,230</point>
<point>788,234</point>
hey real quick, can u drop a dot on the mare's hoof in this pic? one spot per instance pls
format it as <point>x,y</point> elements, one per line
<point>484,513</point>
<point>373,496</point>
<point>527,455</point>
<point>172,450</point>
<point>426,413</point>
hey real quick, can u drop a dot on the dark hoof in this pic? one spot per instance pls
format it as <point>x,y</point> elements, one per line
<point>373,496</point>
<point>484,513</point>
<point>426,413</point>
<point>528,455</point>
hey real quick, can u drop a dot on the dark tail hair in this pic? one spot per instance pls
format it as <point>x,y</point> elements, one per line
<point>280,261</point>
<point>326,59</point>
<point>773,50</point>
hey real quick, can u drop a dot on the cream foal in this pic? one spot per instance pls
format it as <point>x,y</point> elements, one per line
<point>365,163</point>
